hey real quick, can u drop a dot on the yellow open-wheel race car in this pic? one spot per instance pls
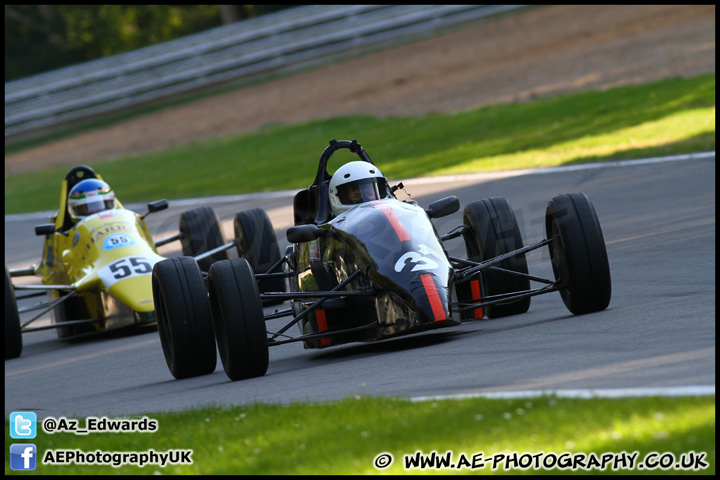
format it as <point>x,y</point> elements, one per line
<point>97,262</point>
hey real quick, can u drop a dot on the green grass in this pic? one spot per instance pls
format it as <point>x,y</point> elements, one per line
<point>664,118</point>
<point>344,437</point>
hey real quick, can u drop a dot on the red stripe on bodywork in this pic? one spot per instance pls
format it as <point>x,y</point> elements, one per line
<point>322,325</point>
<point>475,287</point>
<point>434,297</point>
<point>393,219</point>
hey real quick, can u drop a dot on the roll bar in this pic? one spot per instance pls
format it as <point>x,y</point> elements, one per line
<point>322,175</point>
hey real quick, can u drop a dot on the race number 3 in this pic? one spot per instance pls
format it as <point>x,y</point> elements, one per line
<point>420,260</point>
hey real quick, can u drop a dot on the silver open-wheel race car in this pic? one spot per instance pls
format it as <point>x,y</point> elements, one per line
<point>374,270</point>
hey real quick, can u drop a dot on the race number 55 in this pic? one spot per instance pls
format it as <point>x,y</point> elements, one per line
<point>126,267</point>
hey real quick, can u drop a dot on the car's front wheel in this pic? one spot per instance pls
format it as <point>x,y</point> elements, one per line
<point>577,253</point>
<point>238,319</point>
<point>183,317</point>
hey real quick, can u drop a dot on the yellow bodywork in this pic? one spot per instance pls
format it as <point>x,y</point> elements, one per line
<point>107,258</point>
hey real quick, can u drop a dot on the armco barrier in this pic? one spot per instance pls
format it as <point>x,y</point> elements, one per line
<point>276,43</point>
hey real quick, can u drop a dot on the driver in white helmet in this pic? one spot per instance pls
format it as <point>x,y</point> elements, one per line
<point>356,182</point>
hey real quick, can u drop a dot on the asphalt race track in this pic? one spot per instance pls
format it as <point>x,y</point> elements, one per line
<point>658,219</point>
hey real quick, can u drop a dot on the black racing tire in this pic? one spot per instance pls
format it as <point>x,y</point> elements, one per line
<point>13,333</point>
<point>74,308</point>
<point>60,314</point>
<point>577,253</point>
<point>238,319</point>
<point>257,243</point>
<point>493,230</point>
<point>200,232</point>
<point>184,318</point>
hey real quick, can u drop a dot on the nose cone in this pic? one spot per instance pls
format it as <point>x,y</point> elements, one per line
<point>396,244</point>
<point>135,292</point>
<point>432,297</point>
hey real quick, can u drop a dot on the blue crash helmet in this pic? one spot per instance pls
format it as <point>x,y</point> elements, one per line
<point>88,197</point>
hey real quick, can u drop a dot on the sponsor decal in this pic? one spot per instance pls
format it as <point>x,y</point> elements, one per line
<point>107,230</point>
<point>118,240</point>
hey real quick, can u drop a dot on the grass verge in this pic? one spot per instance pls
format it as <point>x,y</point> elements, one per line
<point>664,118</point>
<point>345,437</point>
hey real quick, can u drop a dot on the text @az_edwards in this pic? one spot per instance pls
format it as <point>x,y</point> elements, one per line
<point>52,425</point>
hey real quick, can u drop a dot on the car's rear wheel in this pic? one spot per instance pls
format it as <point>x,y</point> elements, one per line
<point>257,243</point>
<point>13,333</point>
<point>238,319</point>
<point>577,253</point>
<point>493,230</point>
<point>200,232</point>
<point>183,317</point>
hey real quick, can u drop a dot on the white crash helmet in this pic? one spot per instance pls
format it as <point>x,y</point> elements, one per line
<point>356,182</point>
<point>88,197</point>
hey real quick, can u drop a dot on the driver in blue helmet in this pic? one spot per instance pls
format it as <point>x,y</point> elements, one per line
<point>90,196</point>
